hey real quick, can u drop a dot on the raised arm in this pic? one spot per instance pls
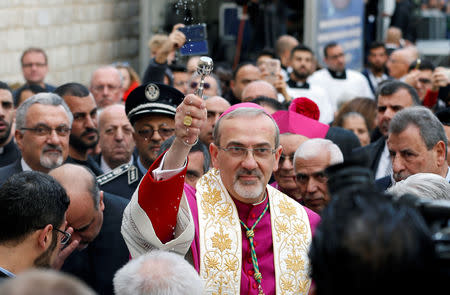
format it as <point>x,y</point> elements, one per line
<point>160,192</point>
<point>190,116</point>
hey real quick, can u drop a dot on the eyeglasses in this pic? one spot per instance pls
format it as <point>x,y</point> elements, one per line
<point>148,132</point>
<point>240,152</point>
<point>206,85</point>
<point>320,176</point>
<point>424,81</point>
<point>30,65</point>
<point>284,157</point>
<point>44,130</point>
<point>101,87</point>
<point>66,236</point>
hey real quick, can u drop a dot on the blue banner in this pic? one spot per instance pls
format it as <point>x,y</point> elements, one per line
<point>341,21</point>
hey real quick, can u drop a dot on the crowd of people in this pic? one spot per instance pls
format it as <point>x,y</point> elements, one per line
<point>279,177</point>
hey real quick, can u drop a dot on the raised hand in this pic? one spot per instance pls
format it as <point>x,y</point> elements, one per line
<point>190,116</point>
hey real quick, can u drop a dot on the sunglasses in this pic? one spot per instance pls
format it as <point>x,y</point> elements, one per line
<point>194,85</point>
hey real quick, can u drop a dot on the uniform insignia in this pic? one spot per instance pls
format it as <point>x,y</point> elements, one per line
<point>132,174</point>
<point>107,177</point>
<point>152,92</point>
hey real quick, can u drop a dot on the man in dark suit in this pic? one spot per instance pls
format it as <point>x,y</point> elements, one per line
<point>417,143</point>
<point>42,135</point>
<point>96,218</point>
<point>8,149</point>
<point>151,111</point>
<point>392,97</point>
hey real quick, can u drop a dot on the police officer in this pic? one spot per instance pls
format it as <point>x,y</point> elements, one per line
<point>151,110</point>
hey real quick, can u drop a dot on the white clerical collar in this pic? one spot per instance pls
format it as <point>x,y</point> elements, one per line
<point>105,167</point>
<point>25,166</point>
<point>2,149</point>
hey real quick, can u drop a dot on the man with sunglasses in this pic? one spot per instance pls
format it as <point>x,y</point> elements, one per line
<point>310,161</point>
<point>33,222</point>
<point>211,86</point>
<point>242,235</point>
<point>151,110</point>
<point>426,80</point>
<point>42,134</point>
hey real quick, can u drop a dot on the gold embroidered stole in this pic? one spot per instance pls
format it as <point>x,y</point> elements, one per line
<point>221,239</point>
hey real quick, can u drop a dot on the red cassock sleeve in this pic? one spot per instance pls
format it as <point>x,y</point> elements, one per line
<point>430,98</point>
<point>161,200</point>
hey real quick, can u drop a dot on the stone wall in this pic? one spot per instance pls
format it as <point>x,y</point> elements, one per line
<point>78,36</point>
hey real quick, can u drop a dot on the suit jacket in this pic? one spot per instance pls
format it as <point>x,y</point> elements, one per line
<point>345,139</point>
<point>372,153</point>
<point>10,154</point>
<point>365,72</point>
<point>7,171</point>
<point>383,183</point>
<point>97,264</point>
<point>122,181</point>
<point>98,157</point>
<point>90,163</point>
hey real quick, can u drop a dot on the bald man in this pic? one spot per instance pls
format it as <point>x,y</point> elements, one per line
<point>106,86</point>
<point>284,176</point>
<point>215,106</point>
<point>283,47</point>
<point>96,218</point>
<point>259,88</point>
<point>116,138</point>
<point>399,61</point>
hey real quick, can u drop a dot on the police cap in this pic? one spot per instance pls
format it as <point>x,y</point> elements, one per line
<point>152,98</point>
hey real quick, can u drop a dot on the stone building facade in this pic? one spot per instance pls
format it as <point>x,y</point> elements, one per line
<point>78,36</point>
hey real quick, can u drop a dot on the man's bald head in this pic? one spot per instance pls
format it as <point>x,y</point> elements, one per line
<point>283,47</point>
<point>399,61</point>
<point>259,88</point>
<point>215,106</point>
<point>394,35</point>
<point>116,110</point>
<point>76,178</point>
<point>85,212</point>
<point>106,86</point>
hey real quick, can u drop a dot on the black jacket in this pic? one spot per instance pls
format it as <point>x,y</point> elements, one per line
<point>97,264</point>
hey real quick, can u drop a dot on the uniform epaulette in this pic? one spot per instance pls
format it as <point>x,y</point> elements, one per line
<point>107,177</point>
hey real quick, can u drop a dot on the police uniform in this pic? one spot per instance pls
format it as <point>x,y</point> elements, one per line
<point>145,100</point>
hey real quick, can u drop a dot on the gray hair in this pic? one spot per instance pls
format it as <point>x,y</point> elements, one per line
<point>49,281</point>
<point>430,128</point>
<point>244,112</point>
<point>157,273</point>
<point>423,185</point>
<point>315,147</point>
<point>44,98</point>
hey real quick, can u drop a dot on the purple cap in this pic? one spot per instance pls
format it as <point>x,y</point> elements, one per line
<point>243,105</point>
<point>293,122</point>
